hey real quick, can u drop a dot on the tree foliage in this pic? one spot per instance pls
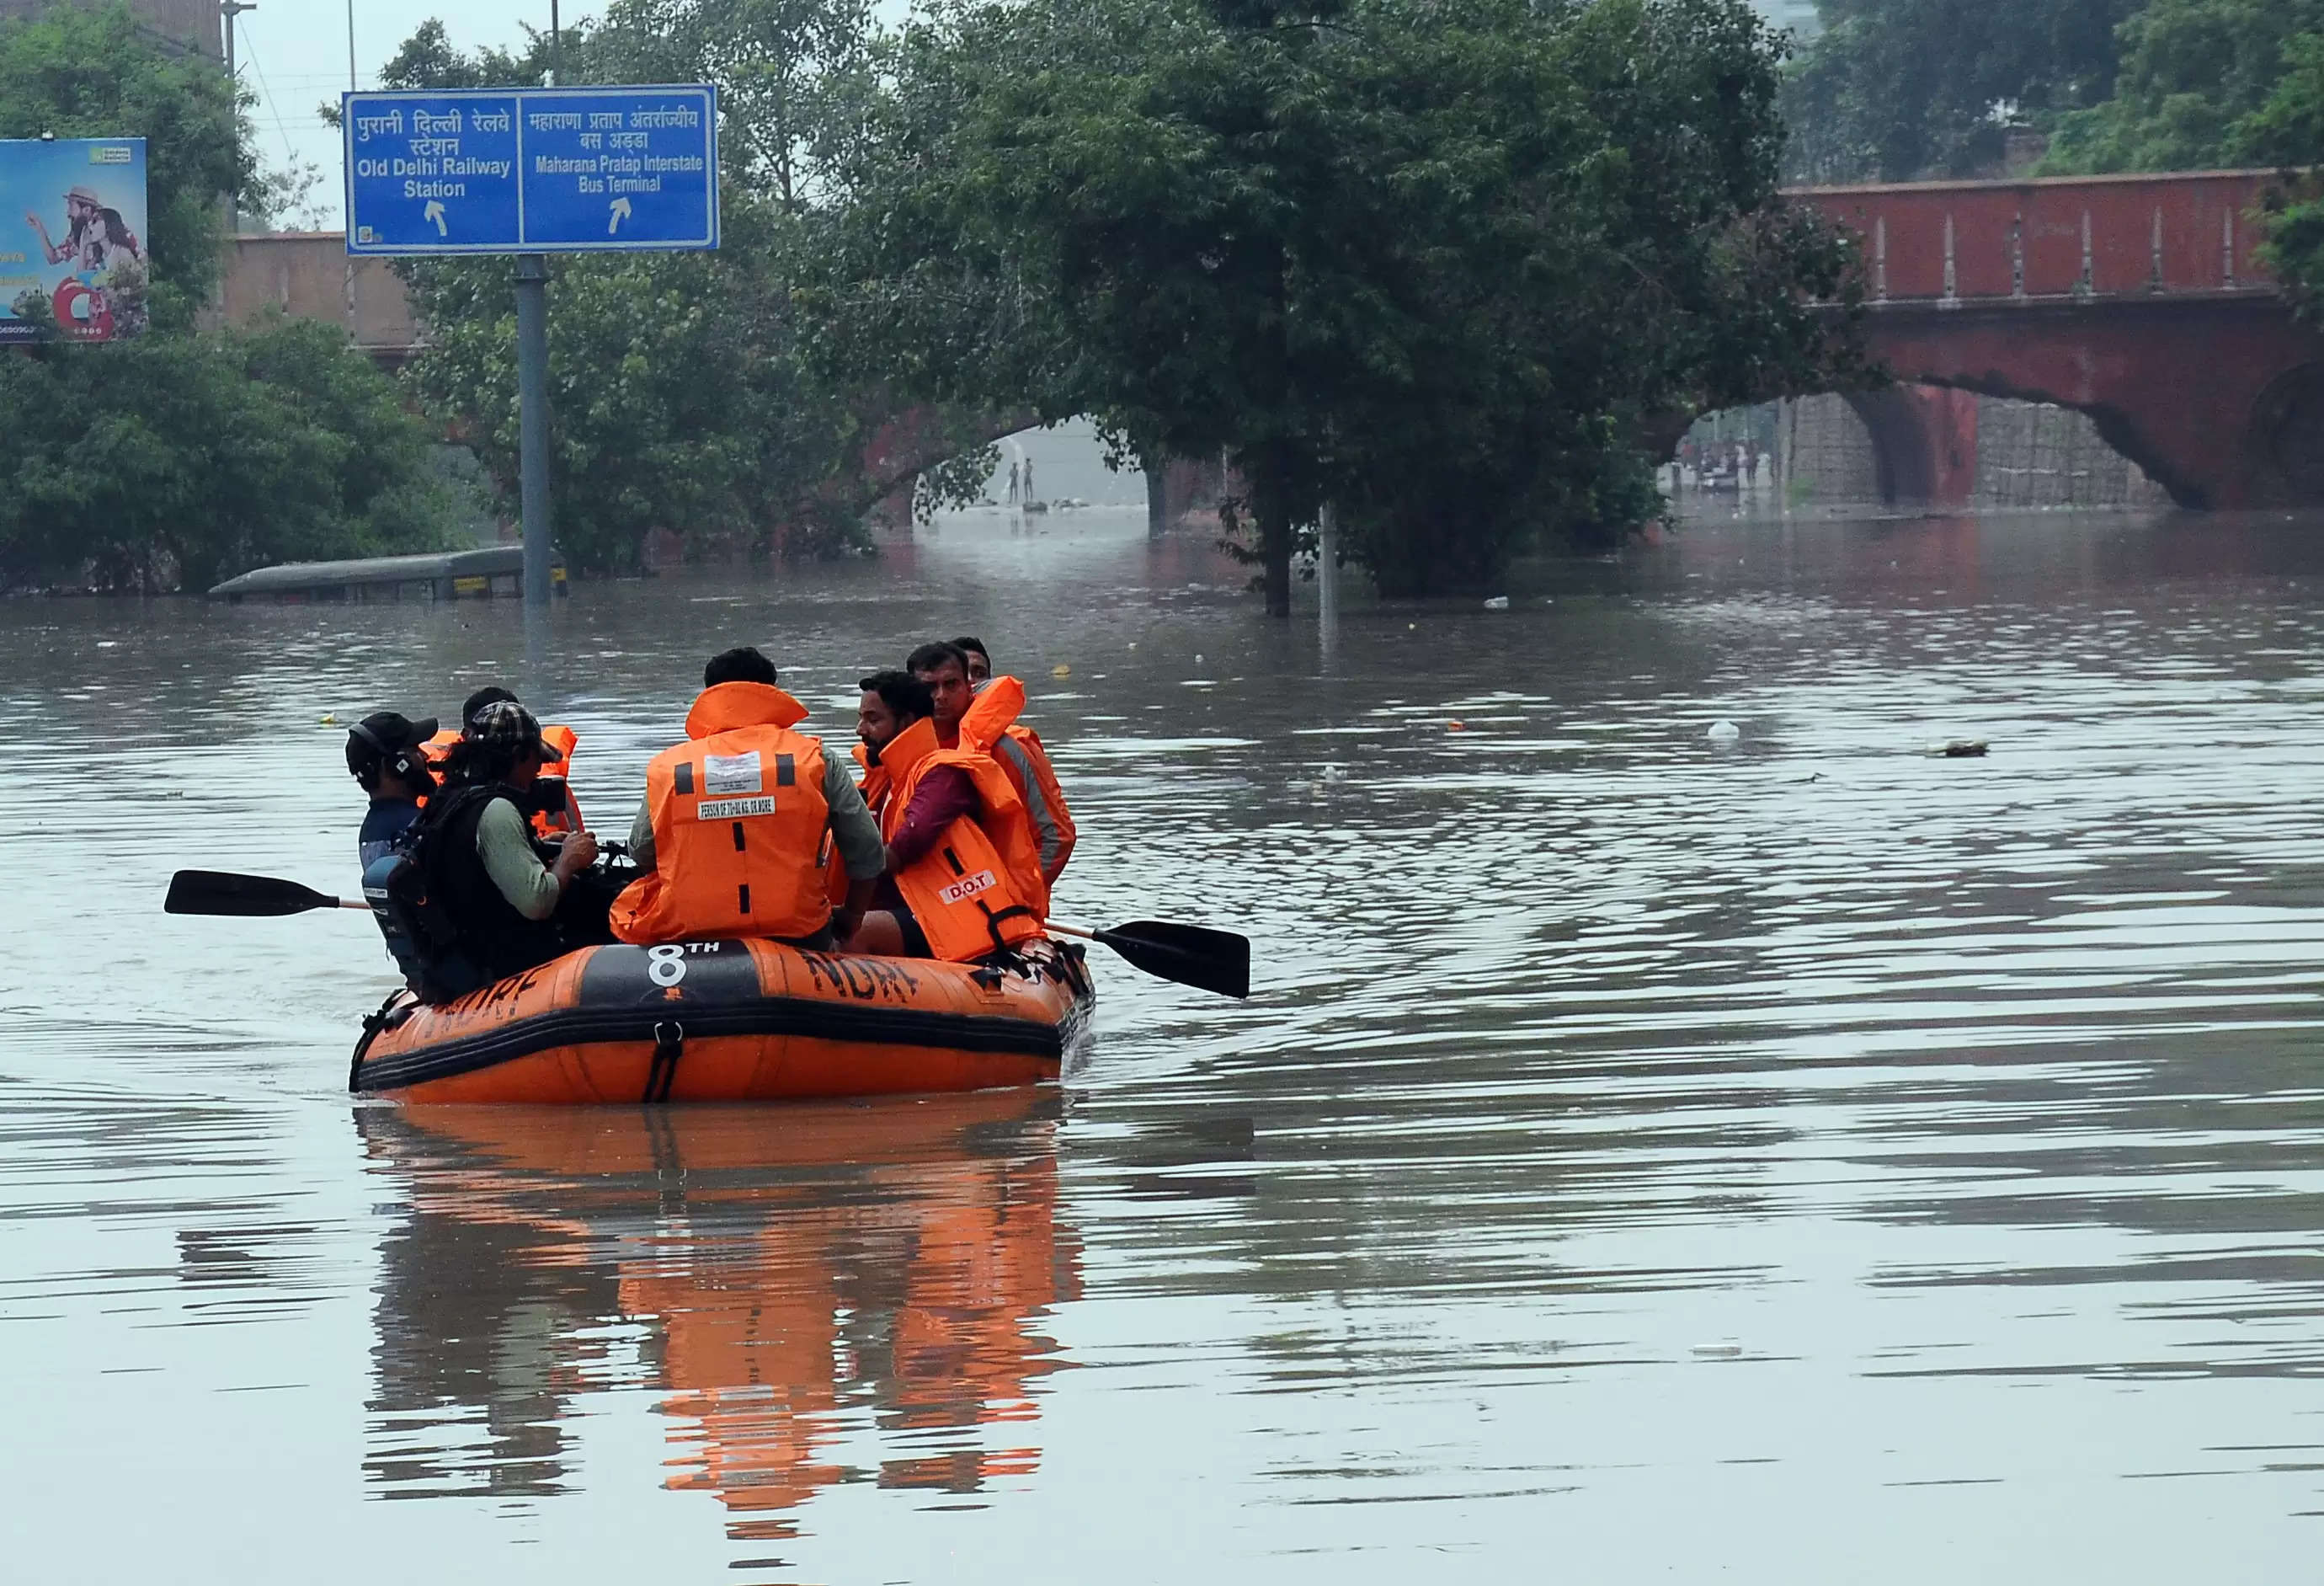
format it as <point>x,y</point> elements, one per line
<point>178,459</point>
<point>1437,262</point>
<point>82,72</point>
<point>2195,77</point>
<point>183,455</point>
<point>1895,89</point>
<point>682,395</point>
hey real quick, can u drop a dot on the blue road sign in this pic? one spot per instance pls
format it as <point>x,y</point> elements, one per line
<point>532,170</point>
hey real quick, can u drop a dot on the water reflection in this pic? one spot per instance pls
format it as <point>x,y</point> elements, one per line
<point>819,1295</point>
<point>1815,1140</point>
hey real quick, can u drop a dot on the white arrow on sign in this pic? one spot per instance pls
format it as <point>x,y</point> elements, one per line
<point>621,213</point>
<point>435,211</point>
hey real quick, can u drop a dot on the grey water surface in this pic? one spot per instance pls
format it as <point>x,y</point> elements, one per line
<point>1807,1160</point>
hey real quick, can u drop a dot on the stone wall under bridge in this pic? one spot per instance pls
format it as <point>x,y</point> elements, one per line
<point>1959,449</point>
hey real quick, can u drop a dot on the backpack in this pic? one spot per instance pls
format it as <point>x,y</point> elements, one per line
<point>420,928</point>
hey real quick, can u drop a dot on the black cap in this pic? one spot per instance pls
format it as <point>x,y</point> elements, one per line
<point>387,732</point>
<point>490,694</point>
<point>506,724</point>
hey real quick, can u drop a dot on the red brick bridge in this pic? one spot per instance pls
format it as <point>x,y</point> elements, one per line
<point>2138,300</point>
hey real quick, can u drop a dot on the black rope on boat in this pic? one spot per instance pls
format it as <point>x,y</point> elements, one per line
<point>371,1026</point>
<point>669,1046</point>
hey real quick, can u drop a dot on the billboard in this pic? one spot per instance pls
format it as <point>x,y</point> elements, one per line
<point>72,239</point>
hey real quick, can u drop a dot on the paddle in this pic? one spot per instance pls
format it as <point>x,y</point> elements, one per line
<point>1210,960</point>
<point>1191,955</point>
<point>214,892</point>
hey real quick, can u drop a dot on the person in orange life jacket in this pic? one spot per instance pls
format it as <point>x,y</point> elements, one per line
<point>476,853</point>
<point>729,839</point>
<point>385,757</point>
<point>963,880</point>
<point>1019,751</point>
<point>554,811</point>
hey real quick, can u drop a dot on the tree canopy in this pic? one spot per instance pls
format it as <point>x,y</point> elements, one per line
<point>1895,89</point>
<point>2194,77</point>
<point>182,455</point>
<point>80,72</point>
<point>683,392</point>
<point>1437,264</point>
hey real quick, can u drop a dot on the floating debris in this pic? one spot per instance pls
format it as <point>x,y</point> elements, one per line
<point>1959,748</point>
<point>1723,731</point>
<point>1498,603</point>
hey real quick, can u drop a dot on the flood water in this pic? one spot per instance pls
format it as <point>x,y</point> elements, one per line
<point>1806,1160</point>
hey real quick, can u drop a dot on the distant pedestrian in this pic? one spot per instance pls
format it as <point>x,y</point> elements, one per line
<point>1029,496</point>
<point>1012,484</point>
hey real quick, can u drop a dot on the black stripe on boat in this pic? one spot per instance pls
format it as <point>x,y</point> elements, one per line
<point>766,1015</point>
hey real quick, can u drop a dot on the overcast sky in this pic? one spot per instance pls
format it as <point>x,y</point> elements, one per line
<point>293,55</point>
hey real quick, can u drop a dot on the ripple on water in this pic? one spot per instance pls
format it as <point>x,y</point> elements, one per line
<point>1818,1140</point>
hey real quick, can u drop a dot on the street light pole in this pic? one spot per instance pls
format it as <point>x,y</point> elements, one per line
<point>229,10</point>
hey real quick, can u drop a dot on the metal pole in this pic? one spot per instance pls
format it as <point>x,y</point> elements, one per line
<point>232,210</point>
<point>229,10</point>
<point>555,45</point>
<point>354,330</point>
<point>532,420</point>
<point>1327,571</point>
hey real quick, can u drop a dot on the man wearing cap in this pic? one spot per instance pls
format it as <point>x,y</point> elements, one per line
<point>385,758</point>
<point>92,232</point>
<point>477,857</point>
<point>554,810</point>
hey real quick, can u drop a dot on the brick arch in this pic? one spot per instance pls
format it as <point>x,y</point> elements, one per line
<point>2140,301</point>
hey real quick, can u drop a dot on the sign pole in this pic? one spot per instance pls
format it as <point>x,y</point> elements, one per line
<point>532,421</point>
<point>526,172</point>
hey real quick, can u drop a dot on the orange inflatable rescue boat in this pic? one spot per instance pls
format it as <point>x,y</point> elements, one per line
<point>733,1021</point>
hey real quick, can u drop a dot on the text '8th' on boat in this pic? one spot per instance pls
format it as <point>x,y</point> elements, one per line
<point>733,1021</point>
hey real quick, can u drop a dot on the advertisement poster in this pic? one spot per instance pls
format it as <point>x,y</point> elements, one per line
<point>72,239</point>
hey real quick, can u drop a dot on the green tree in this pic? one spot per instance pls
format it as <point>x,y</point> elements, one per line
<point>2192,72</point>
<point>177,459</point>
<point>1895,89</point>
<point>93,72</point>
<point>1437,262</point>
<point>178,456</point>
<point>2289,130</point>
<point>681,394</point>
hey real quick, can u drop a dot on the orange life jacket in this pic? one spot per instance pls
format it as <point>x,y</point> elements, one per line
<point>979,888</point>
<point>739,819</point>
<point>1021,756</point>
<point>873,783</point>
<point>983,727</point>
<point>545,823</point>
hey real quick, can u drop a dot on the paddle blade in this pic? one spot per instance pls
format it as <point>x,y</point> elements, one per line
<point>214,892</point>
<point>1191,955</point>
